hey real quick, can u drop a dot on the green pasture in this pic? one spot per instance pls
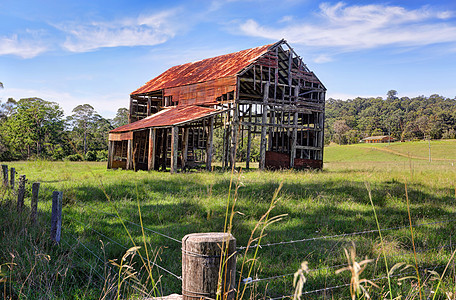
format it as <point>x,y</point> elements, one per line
<point>314,204</point>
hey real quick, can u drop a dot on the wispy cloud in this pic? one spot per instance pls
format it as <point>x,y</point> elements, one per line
<point>145,30</point>
<point>27,46</point>
<point>350,28</point>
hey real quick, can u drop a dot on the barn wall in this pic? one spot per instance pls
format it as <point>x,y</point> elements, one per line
<point>201,93</point>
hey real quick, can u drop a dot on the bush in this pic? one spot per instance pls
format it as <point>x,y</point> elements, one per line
<point>102,155</point>
<point>91,155</point>
<point>74,157</point>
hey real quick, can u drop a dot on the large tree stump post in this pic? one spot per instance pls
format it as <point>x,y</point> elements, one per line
<point>5,175</point>
<point>34,202</point>
<point>201,262</point>
<point>56,216</point>
<point>21,193</point>
<point>12,178</point>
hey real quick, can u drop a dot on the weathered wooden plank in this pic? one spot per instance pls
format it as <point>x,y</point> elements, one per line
<point>174,148</point>
<point>209,143</point>
<point>12,177</point>
<point>129,155</point>
<point>151,150</point>
<point>185,148</point>
<point>263,128</point>
<point>56,216</point>
<point>34,202</point>
<point>21,193</point>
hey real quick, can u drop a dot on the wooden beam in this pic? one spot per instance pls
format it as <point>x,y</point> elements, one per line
<point>129,155</point>
<point>110,153</point>
<point>263,128</point>
<point>249,145</point>
<point>151,152</point>
<point>209,144</point>
<point>294,136</point>
<point>185,148</point>
<point>174,148</point>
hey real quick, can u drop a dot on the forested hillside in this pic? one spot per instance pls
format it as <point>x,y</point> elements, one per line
<point>33,127</point>
<point>404,118</point>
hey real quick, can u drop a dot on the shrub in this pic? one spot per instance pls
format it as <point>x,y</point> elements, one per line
<point>102,155</point>
<point>91,155</point>
<point>74,157</point>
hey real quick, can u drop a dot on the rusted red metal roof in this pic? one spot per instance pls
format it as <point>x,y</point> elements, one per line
<point>204,70</point>
<point>169,117</point>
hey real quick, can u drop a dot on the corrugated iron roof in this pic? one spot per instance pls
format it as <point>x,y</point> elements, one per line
<point>169,117</point>
<point>204,70</point>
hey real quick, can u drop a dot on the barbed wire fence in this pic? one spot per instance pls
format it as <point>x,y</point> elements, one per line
<point>102,269</point>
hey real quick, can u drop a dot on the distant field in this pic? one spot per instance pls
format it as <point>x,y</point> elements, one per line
<point>316,203</point>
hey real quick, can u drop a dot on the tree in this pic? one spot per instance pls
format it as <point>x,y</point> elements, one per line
<point>34,126</point>
<point>391,95</point>
<point>121,117</point>
<point>340,128</point>
<point>80,121</point>
<point>88,129</point>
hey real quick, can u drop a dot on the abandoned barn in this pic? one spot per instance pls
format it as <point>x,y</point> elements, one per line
<point>267,93</point>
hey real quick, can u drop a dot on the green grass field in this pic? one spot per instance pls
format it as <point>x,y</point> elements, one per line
<point>315,204</point>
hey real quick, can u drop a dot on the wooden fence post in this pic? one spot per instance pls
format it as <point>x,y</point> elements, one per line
<point>34,203</point>
<point>56,216</point>
<point>201,256</point>
<point>5,175</point>
<point>21,193</point>
<point>12,177</point>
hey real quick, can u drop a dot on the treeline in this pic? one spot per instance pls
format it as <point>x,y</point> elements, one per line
<point>404,118</point>
<point>35,128</point>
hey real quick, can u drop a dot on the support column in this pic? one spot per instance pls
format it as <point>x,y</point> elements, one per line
<point>209,144</point>
<point>234,136</point>
<point>185,148</point>
<point>294,136</point>
<point>130,155</point>
<point>110,154</point>
<point>174,148</point>
<point>151,153</point>
<point>263,127</point>
<point>249,145</point>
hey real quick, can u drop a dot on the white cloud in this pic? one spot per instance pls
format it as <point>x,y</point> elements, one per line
<point>350,28</point>
<point>145,30</point>
<point>27,47</point>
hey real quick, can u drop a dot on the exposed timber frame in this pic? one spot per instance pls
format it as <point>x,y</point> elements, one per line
<point>274,101</point>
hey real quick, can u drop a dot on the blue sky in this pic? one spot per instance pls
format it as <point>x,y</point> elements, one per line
<point>98,52</point>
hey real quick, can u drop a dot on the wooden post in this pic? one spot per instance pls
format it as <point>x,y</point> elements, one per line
<point>21,193</point>
<point>185,148</point>
<point>201,256</point>
<point>56,216</point>
<point>151,154</point>
<point>294,136</point>
<point>209,144</point>
<point>5,175</point>
<point>34,203</point>
<point>12,177</point>
<point>234,136</point>
<point>174,148</point>
<point>129,155</point>
<point>249,145</point>
<point>263,127</point>
<point>110,154</point>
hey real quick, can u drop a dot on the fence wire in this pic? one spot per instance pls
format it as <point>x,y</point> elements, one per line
<point>250,280</point>
<point>126,248</point>
<point>339,235</point>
